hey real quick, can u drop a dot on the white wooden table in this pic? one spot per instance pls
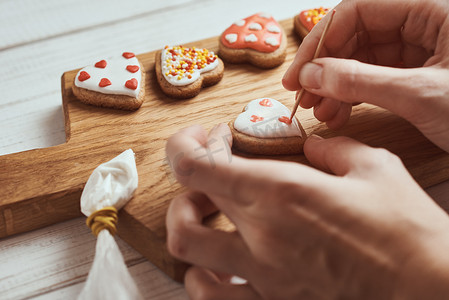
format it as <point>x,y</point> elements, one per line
<point>40,40</point>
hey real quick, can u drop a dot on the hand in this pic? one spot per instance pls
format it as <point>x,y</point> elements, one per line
<point>366,43</point>
<point>367,232</point>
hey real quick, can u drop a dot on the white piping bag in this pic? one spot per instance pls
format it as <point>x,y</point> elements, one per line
<point>108,189</point>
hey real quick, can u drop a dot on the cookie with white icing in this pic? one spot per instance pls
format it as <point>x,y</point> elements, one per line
<point>182,72</point>
<point>117,82</point>
<point>307,19</point>
<point>264,127</point>
<point>257,39</point>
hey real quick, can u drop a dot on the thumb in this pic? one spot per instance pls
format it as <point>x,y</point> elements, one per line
<point>352,81</point>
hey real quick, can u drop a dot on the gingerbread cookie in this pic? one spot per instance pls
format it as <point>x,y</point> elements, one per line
<point>307,19</point>
<point>182,72</point>
<point>264,127</point>
<point>118,82</point>
<point>258,40</point>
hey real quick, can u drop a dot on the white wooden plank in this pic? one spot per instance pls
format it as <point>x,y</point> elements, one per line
<point>54,262</point>
<point>28,20</point>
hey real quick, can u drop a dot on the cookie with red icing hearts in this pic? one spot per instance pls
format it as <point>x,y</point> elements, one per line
<point>264,127</point>
<point>182,72</point>
<point>117,82</point>
<point>257,39</point>
<point>307,19</point>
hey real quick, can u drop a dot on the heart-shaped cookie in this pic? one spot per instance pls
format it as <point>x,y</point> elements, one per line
<point>116,82</point>
<point>264,127</point>
<point>182,72</point>
<point>307,19</point>
<point>257,39</point>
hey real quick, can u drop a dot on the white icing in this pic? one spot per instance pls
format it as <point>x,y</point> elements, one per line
<point>167,62</point>
<point>116,72</point>
<point>231,37</point>
<point>240,23</point>
<point>273,28</point>
<point>271,41</point>
<point>265,15</point>
<point>255,26</point>
<point>252,38</point>
<point>111,184</point>
<point>270,126</point>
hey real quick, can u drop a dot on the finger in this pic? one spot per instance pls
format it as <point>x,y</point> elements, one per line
<point>215,172</point>
<point>344,156</point>
<point>194,145</point>
<point>354,26</point>
<point>190,241</point>
<point>341,117</point>
<point>309,100</point>
<point>326,109</point>
<point>204,284</point>
<point>351,81</point>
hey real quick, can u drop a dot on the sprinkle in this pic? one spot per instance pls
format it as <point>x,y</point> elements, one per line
<point>128,55</point>
<point>252,38</point>
<point>273,29</point>
<point>83,76</point>
<point>255,26</point>
<point>315,15</point>
<point>104,82</point>
<point>240,23</point>
<point>101,64</point>
<point>231,37</point>
<point>186,60</point>
<point>271,41</point>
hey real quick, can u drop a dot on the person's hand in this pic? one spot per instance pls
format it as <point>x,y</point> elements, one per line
<point>367,232</point>
<point>390,53</point>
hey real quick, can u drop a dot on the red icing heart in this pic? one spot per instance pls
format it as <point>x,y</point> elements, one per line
<point>101,64</point>
<point>131,84</point>
<point>132,68</point>
<point>83,76</point>
<point>266,102</point>
<point>255,118</point>
<point>104,82</point>
<point>285,120</point>
<point>128,55</point>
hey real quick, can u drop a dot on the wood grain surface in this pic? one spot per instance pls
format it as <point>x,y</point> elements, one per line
<point>43,186</point>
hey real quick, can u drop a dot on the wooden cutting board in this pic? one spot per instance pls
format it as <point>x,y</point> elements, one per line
<point>43,186</point>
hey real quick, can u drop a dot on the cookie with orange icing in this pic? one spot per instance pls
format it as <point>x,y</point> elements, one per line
<point>257,39</point>
<point>264,127</point>
<point>307,19</point>
<point>182,72</point>
<point>116,82</point>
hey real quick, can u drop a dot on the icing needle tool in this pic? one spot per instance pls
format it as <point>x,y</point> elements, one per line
<point>300,94</point>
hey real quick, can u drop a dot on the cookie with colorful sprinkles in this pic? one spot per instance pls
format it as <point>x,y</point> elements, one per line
<point>117,82</point>
<point>257,39</point>
<point>264,128</point>
<point>182,72</point>
<point>307,19</point>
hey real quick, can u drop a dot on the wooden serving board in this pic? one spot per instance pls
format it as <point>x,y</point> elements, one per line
<point>43,186</point>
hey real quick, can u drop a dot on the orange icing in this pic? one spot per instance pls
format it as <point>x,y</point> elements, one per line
<point>309,18</point>
<point>285,120</point>
<point>255,118</point>
<point>266,102</point>
<point>267,41</point>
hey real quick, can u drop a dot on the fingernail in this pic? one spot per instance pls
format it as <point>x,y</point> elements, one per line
<point>310,76</point>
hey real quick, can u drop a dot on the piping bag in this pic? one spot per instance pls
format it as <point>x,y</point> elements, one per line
<point>108,189</point>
